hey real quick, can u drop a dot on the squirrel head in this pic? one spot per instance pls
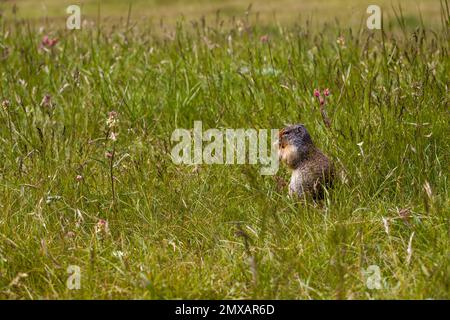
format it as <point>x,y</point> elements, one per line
<point>294,145</point>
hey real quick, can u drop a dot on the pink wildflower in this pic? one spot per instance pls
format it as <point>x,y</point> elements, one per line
<point>5,104</point>
<point>49,43</point>
<point>319,96</point>
<point>46,101</point>
<point>112,119</point>
<point>316,93</point>
<point>113,136</point>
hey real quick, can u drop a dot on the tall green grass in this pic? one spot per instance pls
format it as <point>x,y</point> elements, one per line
<point>218,231</point>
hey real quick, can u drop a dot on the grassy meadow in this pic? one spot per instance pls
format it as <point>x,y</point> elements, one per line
<point>139,226</point>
